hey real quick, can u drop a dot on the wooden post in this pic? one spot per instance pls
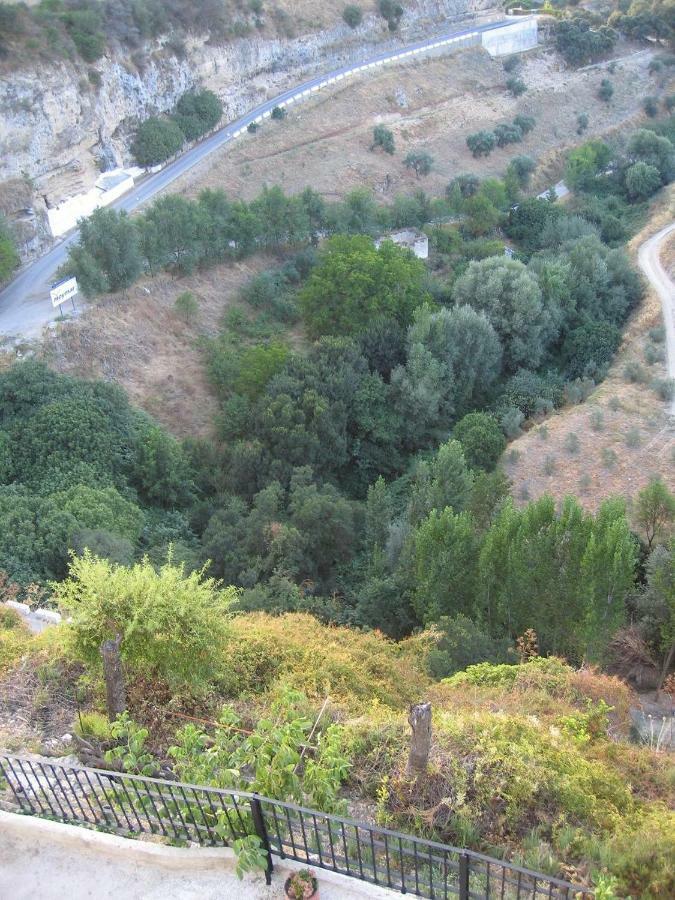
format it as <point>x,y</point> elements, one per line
<point>420,740</point>
<point>115,690</point>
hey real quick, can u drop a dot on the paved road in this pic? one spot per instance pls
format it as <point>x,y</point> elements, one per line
<point>650,263</point>
<point>24,304</point>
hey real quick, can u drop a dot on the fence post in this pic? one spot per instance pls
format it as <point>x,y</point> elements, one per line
<point>463,876</point>
<point>261,831</point>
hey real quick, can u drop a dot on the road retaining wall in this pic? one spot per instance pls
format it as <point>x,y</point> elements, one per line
<point>512,38</point>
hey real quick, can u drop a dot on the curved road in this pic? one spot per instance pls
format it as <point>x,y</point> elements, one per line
<point>25,306</point>
<point>650,263</point>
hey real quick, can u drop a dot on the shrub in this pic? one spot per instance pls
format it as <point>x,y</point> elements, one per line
<point>522,167</point>
<point>582,123</point>
<point>507,134</point>
<point>597,420</point>
<point>155,141</point>
<point>197,112</point>
<point>391,11</point>
<point>653,354</point>
<point>419,161</point>
<point>279,113</point>
<point>352,15</point>
<point>173,624</point>
<point>511,420</point>
<point>664,388</point>
<point>525,123</point>
<point>252,127</point>
<point>511,63</point>
<point>633,438</point>
<point>516,86</point>
<point>383,137</point>
<point>642,180</point>
<point>657,334</point>
<point>550,465</point>
<point>461,642</point>
<point>481,438</point>
<point>606,90</point>
<point>186,306</point>
<point>635,373</point>
<point>608,457</point>
<point>93,725</point>
<point>481,143</point>
<point>651,106</point>
<point>571,443</point>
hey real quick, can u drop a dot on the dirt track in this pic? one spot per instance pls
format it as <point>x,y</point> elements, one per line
<point>650,263</point>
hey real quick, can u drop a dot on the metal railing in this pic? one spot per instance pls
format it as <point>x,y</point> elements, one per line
<point>131,804</point>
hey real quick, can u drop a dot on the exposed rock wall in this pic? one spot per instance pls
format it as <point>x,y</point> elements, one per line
<point>60,124</point>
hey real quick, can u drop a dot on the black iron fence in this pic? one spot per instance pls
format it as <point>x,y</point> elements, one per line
<point>131,804</point>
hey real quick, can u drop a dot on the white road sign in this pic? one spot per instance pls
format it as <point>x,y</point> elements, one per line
<point>64,290</point>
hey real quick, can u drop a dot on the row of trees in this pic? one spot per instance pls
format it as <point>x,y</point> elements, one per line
<point>157,139</point>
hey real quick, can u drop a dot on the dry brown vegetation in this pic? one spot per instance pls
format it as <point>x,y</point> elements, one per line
<point>621,418</point>
<point>431,105</point>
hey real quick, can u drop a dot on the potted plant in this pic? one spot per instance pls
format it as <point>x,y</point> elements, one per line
<point>302,885</point>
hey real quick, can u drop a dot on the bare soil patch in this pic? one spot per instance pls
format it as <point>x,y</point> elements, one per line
<point>625,435</point>
<point>140,342</point>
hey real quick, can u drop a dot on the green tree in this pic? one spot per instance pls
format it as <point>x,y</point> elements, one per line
<point>353,15</point>
<point>655,150</point>
<point>174,233</point>
<point>445,554</point>
<point>107,256</point>
<point>584,163</point>
<point>197,112</point>
<point>443,481</point>
<point>482,143</point>
<point>161,470</point>
<point>655,511</point>
<point>9,258</point>
<point>642,180</point>
<point>516,85</point>
<point>383,137</point>
<point>156,140</point>
<point>481,438</point>
<point>606,90</point>
<point>419,161</point>
<point>510,297</point>
<point>172,624</point>
<point>354,283</point>
<point>579,43</point>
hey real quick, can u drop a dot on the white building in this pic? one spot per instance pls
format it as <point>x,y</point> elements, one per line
<point>411,238</point>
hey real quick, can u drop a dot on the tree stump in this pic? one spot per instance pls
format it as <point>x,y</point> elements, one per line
<point>420,740</point>
<point>115,688</point>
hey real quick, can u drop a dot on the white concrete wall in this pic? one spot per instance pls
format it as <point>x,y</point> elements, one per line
<point>52,861</point>
<point>512,38</point>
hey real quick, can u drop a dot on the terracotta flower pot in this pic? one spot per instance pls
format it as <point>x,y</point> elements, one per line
<point>293,882</point>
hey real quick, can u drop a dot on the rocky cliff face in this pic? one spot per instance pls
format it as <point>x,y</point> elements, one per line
<point>61,124</point>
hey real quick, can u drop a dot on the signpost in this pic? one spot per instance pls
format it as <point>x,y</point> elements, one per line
<point>62,291</point>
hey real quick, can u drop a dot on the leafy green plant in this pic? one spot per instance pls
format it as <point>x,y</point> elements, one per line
<point>131,753</point>
<point>93,724</point>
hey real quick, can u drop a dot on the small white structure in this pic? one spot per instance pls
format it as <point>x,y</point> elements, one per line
<point>109,186</point>
<point>410,238</point>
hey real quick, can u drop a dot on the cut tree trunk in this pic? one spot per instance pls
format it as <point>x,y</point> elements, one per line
<point>115,689</point>
<point>420,740</point>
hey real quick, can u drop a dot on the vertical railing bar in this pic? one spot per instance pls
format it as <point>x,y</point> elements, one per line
<point>64,772</point>
<point>76,773</point>
<point>304,834</point>
<point>489,885</point>
<point>386,859</point>
<point>276,828</point>
<point>290,833</point>
<point>330,841</point>
<point>358,849</point>
<point>204,816</point>
<point>232,827</point>
<point>445,875</point>
<point>141,827</point>
<point>372,850</point>
<point>20,799</point>
<point>148,796</point>
<point>189,810</point>
<point>344,844</point>
<point>108,803</point>
<point>185,833</point>
<point>417,879</point>
<point>501,895</point>
<point>215,814</point>
<point>58,776</point>
<point>166,808</point>
<point>520,880</point>
<point>40,804</point>
<point>431,874</point>
<point>401,865</point>
<point>318,840</point>
<point>242,823</point>
<point>534,890</point>
<point>113,787</point>
<point>51,790</point>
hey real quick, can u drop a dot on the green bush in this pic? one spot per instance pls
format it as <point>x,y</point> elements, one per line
<point>651,106</point>
<point>383,137</point>
<point>606,90</point>
<point>482,143</point>
<point>481,438</point>
<point>516,86</point>
<point>352,15</point>
<point>197,112</point>
<point>391,11</point>
<point>156,140</point>
<point>279,113</point>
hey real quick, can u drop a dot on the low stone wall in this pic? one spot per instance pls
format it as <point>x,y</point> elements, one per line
<point>49,860</point>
